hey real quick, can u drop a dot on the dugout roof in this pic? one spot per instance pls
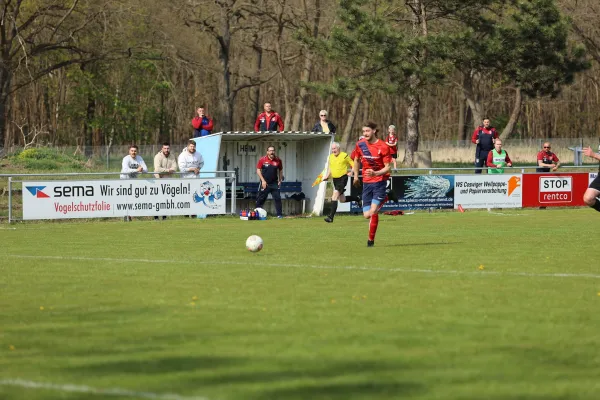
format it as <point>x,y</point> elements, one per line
<point>304,155</point>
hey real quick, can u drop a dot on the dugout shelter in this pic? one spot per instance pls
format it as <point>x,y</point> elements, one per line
<point>304,155</point>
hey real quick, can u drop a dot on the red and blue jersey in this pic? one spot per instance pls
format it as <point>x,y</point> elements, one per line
<point>270,168</point>
<point>373,156</point>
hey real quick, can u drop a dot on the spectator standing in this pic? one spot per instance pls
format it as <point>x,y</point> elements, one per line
<point>202,123</point>
<point>165,164</point>
<point>190,161</point>
<point>392,142</point>
<point>483,136</point>
<point>497,159</point>
<point>546,159</point>
<point>270,171</point>
<point>268,120</point>
<point>131,166</point>
<point>323,124</point>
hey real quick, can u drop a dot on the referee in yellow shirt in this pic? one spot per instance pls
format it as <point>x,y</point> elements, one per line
<point>339,163</point>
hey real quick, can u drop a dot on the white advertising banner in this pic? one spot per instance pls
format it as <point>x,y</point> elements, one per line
<point>488,191</point>
<point>119,198</point>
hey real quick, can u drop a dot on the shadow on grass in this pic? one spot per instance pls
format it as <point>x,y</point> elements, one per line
<point>157,365</point>
<point>259,379</point>
<point>344,391</point>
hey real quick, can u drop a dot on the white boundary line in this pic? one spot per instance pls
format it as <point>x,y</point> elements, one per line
<point>305,266</point>
<point>95,391</point>
<point>505,214</point>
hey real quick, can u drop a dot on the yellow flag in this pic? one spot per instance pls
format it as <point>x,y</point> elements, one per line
<point>319,178</point>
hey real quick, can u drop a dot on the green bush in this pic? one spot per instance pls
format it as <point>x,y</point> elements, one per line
<point>47,158</point>
<point>43,165</point>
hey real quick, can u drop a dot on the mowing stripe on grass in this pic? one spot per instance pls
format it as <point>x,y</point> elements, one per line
<point>95,391</point>
<point>333,267</point>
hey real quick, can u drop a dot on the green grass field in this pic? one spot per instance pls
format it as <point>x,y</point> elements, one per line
<point>445,306</point>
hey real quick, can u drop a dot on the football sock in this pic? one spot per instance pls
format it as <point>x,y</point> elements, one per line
<point>596,205</point>
<point>334,205</point>
<point>373,226</point>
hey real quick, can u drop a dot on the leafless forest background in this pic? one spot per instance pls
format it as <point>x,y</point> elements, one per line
<point>86,74</point>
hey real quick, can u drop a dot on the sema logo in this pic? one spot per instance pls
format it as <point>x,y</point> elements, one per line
<point>37,191</point>
<point>513,183</point>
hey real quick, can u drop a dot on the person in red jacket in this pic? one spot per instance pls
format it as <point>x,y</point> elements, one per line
<point>546,159</point>
<point>202,123</point>
<point>483,136</point>
<point>268,121</point>
<point>392,142</point>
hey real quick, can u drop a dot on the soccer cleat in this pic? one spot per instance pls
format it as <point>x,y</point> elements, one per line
<point>328,219</point>
<point>392,196</point>
<point>280,216</point>
<point>370,243</point>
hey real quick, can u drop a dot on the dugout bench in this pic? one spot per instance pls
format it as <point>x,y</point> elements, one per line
<point>287,190</point>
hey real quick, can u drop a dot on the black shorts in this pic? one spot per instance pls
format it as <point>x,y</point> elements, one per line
<point>395,155</point>
<point>596,183</point>
<point>340,183</point>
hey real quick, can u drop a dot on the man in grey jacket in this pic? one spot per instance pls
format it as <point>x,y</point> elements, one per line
<point>165,164</point>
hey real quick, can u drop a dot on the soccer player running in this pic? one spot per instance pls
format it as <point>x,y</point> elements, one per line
<point>339,162</point>
<point>591,197</point>
<point>374,155</point>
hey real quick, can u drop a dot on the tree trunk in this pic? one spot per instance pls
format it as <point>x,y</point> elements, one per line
<point>304,78</point>
<point>461,131</point>
<point>414,101</point>
<point>514,116</point>
<point>347,135</point>
<point>88,129</point>
<point>255,90</point>
<point>225,97</point>
<point>307,70</point>
<point>5,99</point>
<point>412,129</point>
<point>473,98</point>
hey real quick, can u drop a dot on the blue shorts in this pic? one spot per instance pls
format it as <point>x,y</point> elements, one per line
<point>373,193</point>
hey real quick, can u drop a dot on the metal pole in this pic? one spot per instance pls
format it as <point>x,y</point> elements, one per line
<point>107,162</point>
<point>233,193</point>
<point>10,199</point>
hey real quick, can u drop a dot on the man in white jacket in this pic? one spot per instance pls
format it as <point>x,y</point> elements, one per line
<point>190,161</point>
<point>132,164</point>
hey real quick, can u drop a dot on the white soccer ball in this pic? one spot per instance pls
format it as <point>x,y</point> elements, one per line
<point>261,213</point>
<point>254,243</point>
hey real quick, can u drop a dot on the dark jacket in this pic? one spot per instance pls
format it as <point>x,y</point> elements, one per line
<point>318,128</point>
<point>272,123</point>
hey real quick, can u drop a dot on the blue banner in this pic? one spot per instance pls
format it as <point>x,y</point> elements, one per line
<point>416,192</point>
